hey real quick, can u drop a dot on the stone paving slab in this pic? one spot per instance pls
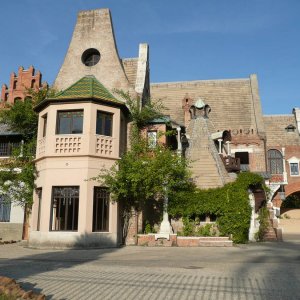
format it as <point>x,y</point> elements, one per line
<point>264,271</point>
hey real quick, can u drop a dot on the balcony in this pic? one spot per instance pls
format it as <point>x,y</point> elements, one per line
<point>231,164</point>
<point>78,144</point>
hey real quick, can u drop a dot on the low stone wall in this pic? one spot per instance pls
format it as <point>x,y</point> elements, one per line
<point>67,239</point>
<point>149,240</point>
<point>11,231</point>
<point>183,241</point>
<point>186,241</point>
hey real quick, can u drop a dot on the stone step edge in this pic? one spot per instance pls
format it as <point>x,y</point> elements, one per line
<point>210,244</point>
<point>204,238</point>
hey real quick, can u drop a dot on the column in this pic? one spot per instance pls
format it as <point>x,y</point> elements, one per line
<point>179,145</point>
<point>228,148</point>
<point>220,146</point>
<point>284,168</point>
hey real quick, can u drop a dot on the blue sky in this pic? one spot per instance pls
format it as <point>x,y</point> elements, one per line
<point>189,40</point>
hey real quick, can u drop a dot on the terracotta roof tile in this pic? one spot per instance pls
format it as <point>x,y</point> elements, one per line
<point>87,87</point>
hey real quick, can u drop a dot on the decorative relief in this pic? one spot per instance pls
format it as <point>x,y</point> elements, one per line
<point>104,145</point>
<point>68,145</point>
<point>41,146</point>
<point>243,131</point>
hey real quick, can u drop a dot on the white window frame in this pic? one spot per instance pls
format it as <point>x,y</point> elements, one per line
<point>152,138</point>
<point>294,160</point>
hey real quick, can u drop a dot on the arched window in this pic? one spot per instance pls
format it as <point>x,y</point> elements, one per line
<point>275,162</point>
<point>17,99</point>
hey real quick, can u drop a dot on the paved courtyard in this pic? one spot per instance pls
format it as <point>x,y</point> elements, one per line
<point>254,271</point>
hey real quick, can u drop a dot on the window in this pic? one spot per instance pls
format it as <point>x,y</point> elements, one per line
<point>17,99</point>
<point>90,57</point>
<point>104,123</point>
<point>290,128</point>
<point>4,210</point>
<point>39,194</point>
<point>152,138</point>
<point>44,118</point>
<point>7,148</point>
<point>101,209</point>
<point>294,167</point>
<point>275,162</point>
<point>69,122</point>
<point>64,208</point>
<point>244,160</point>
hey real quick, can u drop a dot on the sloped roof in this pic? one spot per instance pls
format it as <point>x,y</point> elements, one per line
<point>87,87</point>
<point>276,132</point>
<point>231,101</point>
<point>165,119</point>
<point>5,130</point>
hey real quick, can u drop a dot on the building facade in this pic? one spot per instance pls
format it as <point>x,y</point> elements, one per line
<point>83,129</point>
<point>12,215</point>
<point>19,85</point>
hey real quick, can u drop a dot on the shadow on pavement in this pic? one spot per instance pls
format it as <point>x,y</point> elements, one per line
<point>45,260</point>
<point>280,272</point>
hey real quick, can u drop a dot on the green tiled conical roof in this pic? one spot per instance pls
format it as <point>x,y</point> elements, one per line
<point>87,87</point>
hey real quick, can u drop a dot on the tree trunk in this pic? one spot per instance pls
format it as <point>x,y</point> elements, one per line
<point>136,226</point>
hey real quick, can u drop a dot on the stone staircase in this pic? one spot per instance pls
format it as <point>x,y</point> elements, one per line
<point>270,234</point>
<point>273,232</point>
<point>206,165</point>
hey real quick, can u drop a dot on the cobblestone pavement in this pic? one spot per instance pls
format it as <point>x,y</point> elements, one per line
<point>254,271</point>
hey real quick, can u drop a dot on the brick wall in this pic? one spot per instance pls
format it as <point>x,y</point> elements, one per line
<point>19,84</point>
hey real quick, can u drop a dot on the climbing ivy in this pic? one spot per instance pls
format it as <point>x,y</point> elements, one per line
<point>229,203</point>
<point>263,218</point>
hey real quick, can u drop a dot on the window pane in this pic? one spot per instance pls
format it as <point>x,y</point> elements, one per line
<point>275,162</point>
<point>99,126</point>
<point>77,124</point>
<point>101,209</point>
<point>45,125</point>
<point>4,210</point>
<point>104,123</point>
<point>70,122</point>
<point>152,138</point>
<point>294,169</point>
<point>64,124</point>
<point>108,123</point>
<point>39,194</point>
<point>65,205</point>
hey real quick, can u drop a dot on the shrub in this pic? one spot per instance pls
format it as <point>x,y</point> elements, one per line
<point>263,218</point>
<point>230,204</point>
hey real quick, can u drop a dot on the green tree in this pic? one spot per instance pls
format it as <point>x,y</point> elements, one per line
<point>144,173</point>
<point>17,173</point>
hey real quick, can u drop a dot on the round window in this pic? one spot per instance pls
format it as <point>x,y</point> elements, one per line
<point>90,57</point>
